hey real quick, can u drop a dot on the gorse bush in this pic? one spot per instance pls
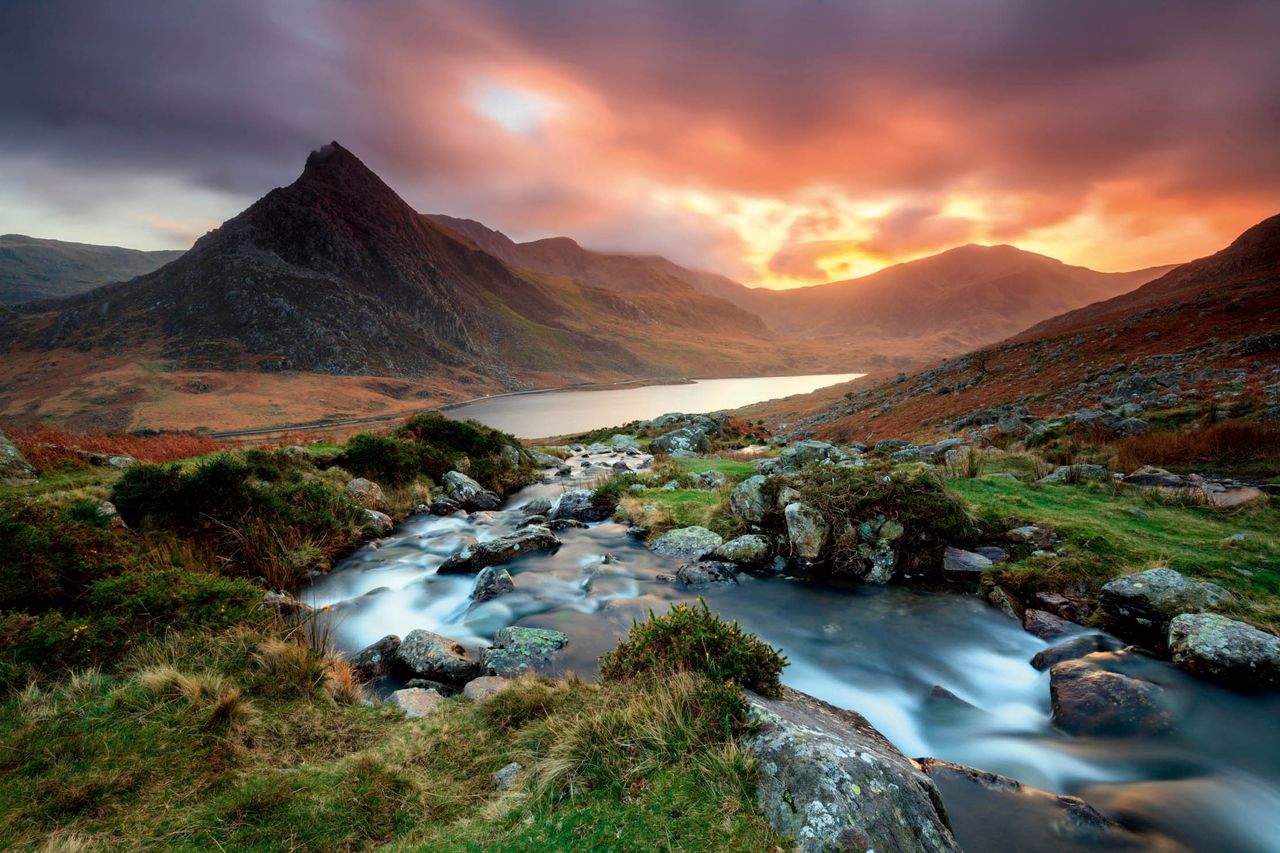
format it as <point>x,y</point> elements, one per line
<point>385,460</point>
<point>693,639</point>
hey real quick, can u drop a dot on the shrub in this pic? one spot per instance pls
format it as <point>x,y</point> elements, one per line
<point>47,560</point>
<point>696,640</point>
<point>386,460</point>
<point>47,448</point>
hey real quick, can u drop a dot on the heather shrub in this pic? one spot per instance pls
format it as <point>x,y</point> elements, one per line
<point>693,639</point>
<point>385,460</point>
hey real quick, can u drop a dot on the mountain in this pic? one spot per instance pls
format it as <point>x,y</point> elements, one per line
<point>932,307</point>
<point>32,268</point>
<point>1208,329</point>
<point>336,275</point>
<point>961,298</point>
<point>627,274</point>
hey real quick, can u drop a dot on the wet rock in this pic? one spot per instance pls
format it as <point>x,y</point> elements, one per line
<point>430,684</point>
<point>517,650</point>
<point>1046,626</point>
<point>556,525</point>
<point>466,492</point>
<point>366,493</point>
<point>1088,700</point>
<point>941,697</point>
<point>544,460</point>
<point>377,659</point>
<point>480,689</point>
<point>1028,818</point>
<point>15,470</point>
<point>749,550</point>
<point>992,553</point>
<point>687,543</point>
<point>444,506</point>
<point>1000,599</point>
<point>429,655</point>
<point>379,522</point>
<point>747,500</point>
<point>706,573</point>
<point>806,530</point>
<point>961,565</point>
<point>506,777</point>
<point>1142,604</point>
<point>527,540</point>
<point>1073,649</point>
<point>829,781</point>
<point>492,582</point>
<point>417,701</point>
<point>1224,649</point>
<point>1073,608</point>
<point>577,505</point>
<point>537,506</point>
<point>284,604</point>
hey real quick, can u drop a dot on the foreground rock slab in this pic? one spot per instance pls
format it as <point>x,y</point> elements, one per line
<point>830,781</point>
<point>417,701</point>
<point>1224,649</point>
<point>429,655</point>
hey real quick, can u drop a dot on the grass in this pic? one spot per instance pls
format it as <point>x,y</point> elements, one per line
<point>1105,539</point>
<point>192,745</point>
<point>736,470</point>
<point>658,511</point>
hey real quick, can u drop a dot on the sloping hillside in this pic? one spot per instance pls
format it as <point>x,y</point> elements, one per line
<point>1209,329</point>
<point>32,268</point>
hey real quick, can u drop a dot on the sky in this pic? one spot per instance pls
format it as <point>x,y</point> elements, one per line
<point>780,142</point>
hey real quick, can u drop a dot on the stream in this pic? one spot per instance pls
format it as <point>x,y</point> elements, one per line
<point>1214,784</point>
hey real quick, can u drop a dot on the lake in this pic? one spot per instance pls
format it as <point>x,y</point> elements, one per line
<point>535,415</point>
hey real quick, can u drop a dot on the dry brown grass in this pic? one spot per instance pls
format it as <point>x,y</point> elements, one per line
<point>1223,442</point>
<point>46,447</point>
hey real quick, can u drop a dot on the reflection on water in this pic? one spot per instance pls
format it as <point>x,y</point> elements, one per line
<point>1212,785</point>
<point>565,412</point>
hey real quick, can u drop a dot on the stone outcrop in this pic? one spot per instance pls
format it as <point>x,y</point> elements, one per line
<point>751,549</point>
<point>467,493</point>
<point>491,582</point>
<point>15,470</point>
<point>706,573</point>
<point>366,493</point>
<point>747,500</point>
<point>1089,700</point>
<point>830,781</point>
<point>578,505</point>
<point>687,543</point>
<point>376,659</point>
<point>1142,604</point>
<point>806,530</point>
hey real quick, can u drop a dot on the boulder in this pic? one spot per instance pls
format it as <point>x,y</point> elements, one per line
<point>285,604</point>
<point>687,543</point>
<point>366,493</point>
<point>15,470</point>
<point>544,460</point>
<point>877,548</point>
<point>1028,818</point>
<point>538,506</point>
<point>121,461</point>
<point>510,454</point>
<point>506,777</point>
<point>417,701</point>
<point>379,522</point>
<point>1143,603</point>
<point>527,540</point>
<point>622,443</point>
<point>1074,648</point>
<point>710,479</point>
<point>806,530</point>
<point>518,650</point>
<point>750,550</point>
<point>480,689</point>
<point>1076,474</point>
<point>466,492</point>
<point>992,553</point>
<point>1073,608</point>
<point>958,565</point>
<point>1089,700</point>
<point>377,659</point>
<point>429,655</point>
<point>829,781</point>
<point>706,573</point>
<point>1224,649</point>
<point>577,504</point>
<point>747,500</point>
<point>682,441</point>
<point>443,506</point>
<point>1046,626</point>
<point>491,582</point>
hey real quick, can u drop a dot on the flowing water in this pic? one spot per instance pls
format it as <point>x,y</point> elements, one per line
<point>567,412</point>
<point>1214,785</point>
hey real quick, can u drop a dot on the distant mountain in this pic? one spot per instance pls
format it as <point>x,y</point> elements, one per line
<point>627,274</point>
<point>336,275</point>
<point>961,298</point>
<point>1208,329</point>
<point>32,268</point>
<point>935,306</point>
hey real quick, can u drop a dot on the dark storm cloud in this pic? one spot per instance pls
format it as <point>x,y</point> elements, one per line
<point>1044,112</point>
